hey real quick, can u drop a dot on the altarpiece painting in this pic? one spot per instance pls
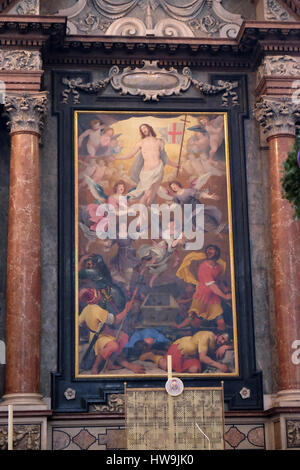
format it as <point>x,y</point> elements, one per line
<point>154,259</point>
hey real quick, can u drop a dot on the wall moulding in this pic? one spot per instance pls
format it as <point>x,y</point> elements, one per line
<point>255,38</point>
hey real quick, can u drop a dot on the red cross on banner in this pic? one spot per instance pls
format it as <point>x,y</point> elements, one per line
<point>175,131</point>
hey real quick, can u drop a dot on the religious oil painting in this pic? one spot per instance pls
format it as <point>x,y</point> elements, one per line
<point>154,259</point>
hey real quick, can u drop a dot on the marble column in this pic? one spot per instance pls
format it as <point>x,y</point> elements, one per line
<point>23,316</point>
<point>277,117</point>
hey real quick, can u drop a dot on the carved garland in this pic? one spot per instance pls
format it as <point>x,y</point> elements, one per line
<point>151,82</point>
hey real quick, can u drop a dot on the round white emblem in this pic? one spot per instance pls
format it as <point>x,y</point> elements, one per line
<point>174,386</point>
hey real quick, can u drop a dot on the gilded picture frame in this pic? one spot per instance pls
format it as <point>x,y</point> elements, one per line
<point>143,292</point>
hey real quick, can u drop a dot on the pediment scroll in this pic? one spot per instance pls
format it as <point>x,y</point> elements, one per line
<point>160,18</point>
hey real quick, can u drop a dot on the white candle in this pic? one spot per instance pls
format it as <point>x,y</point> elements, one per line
<point>169,367</point>
<point>10,427</point>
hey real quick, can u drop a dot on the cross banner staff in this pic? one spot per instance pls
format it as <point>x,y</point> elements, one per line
<point>182,139</point>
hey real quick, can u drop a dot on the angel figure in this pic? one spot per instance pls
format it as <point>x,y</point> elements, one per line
<point>96,169</point>
<point>100,141</point>
<point>157,255</point>
<point>108,143</point>
<point>93,135</point>
<point>209,137</point>
<point>212,215</point>
<point>90,217</point>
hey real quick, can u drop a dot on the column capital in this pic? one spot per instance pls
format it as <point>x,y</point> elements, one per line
<point>277,115</point>
<point>26,112</point>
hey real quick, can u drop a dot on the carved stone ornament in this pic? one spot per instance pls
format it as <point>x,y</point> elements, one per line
<point>274,11</point>
<point>25,437</point>
<point>70,394</point>
<point>26,7</point>
<point>245,393</point>
<point>163,18</point>
<point>282,66</point>
<point>277,115</point>
<point>293,433</point>
<point>75,84</point>
<point>20,60</point>
<point>151,82</point>
<point>226,88</point>
<point>26,112</point>
<point>115,405</point>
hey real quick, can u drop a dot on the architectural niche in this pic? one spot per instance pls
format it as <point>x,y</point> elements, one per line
<point>200,18</point>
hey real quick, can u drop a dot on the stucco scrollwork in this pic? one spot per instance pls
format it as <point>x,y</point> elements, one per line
<point>162,18</point>
<point>151,82</point>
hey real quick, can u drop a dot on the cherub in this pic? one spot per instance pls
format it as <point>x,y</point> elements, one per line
<point>94,135</point>
<point>108,144</point>
<point>210,136</point>
<point>92,168</point>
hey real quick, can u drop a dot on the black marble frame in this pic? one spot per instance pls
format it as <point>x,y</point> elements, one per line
<point>88,391</point>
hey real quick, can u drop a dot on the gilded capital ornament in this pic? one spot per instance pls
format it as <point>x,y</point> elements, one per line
<point>26,112</point>
<point>277,116</point>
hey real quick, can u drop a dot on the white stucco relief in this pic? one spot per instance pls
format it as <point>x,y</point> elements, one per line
<point>170,18</point>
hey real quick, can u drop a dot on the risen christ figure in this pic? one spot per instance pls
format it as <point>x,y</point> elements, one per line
<point>148,168</point>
